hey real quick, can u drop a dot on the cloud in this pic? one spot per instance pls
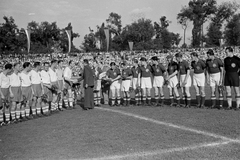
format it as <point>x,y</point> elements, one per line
<point>139,13</point>
<point>31,14</point>
<point>142,10</point>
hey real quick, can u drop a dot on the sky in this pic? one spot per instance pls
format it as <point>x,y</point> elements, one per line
<point>90,13</point>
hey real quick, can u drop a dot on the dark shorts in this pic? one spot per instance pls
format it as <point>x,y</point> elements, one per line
<point>27,93</point>
<point>6,94</point>
<point>37,89</point>
<point>17,92</point>
<point>231,79</point>
<point>55,84</point>
<point>48,92</point>
<point>61,85</point>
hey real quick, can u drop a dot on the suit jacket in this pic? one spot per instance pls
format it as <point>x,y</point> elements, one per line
<point>88,76</point>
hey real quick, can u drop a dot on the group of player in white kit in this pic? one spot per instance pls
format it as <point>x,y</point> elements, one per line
<point>35,90</point>
<point>142,76</point>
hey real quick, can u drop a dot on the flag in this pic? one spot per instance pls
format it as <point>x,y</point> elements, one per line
<point>106,31</point>
<point>28,33</point>
<point>69,39</point>
<point>130,45</point>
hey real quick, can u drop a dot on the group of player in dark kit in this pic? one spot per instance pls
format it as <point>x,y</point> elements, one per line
<point>142,76</point>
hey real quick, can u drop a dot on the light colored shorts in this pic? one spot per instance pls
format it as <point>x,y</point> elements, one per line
<point>189,81</point>
<point>173,82</point>
<point>146,82</point>
<point>115,85</point>
<point>214,79</point>
<point>158,81</point>
<point>126,85</point>
<point>199,80</point>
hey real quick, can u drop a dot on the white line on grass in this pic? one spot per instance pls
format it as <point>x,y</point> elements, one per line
<point>181,127</point>
<point>137,155</point>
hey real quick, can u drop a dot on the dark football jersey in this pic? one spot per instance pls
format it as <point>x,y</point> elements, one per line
<point>135,72</point>
<point>213,66</point>
<point>183,67</point>
<point>126,73</point>
<point>158,70</point>
<point>198,66</point>
<point>113,73</point>
<point>145,71</point>
<point>172,67</point>
<point>231,64</point>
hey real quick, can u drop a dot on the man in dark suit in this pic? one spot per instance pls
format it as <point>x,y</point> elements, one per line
<point>88,77</point>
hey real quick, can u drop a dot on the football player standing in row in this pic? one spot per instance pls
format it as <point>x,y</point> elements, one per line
<point>144,78</point>
<point>172,81</point>
<point>159,72</point>
<point>214,70</point>
<point>135,84</point>
<point>231,78</point>
<point>27,90</point>
<point>114,76</point>
<point>184,79</point>
<point>37,88</point>
<point>198,67</point>
<point>15,89</point>
<point>5,94</point>
<point>59,72</point>
<point>126,82</point>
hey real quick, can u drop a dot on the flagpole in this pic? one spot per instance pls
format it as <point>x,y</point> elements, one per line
<point>28,32</point>
<point>106,31</point>
<point>69,39</point>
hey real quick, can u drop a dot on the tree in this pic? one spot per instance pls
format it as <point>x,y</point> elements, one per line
<point>232,31</point>
<point>45,36</point>
<point>140,32</point>
<point>164,38</point>
<point>8,32</point>
<point>198,11</point>
<point>100,36</point>
<point>225,11</point>
<point>114,24</point>
<point>184,22</point>
<point>175,38</point>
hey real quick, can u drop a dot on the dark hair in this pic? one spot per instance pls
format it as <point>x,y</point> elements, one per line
<point>60,61</point>
<point>135,61</point>
<point>112,64</point>
<point>194,54</point>
<point>45,63</point>
<point>26,64</point>
<point>86,61</point>
<point>53,61</point>
<point>155,58</point>
<point>8,66</point>
<point>230,49</point>
<point>178,55</point>
<point>210,52</point>
<point>36,64</point>
<point>70,62</point>
<point>143,59</point>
